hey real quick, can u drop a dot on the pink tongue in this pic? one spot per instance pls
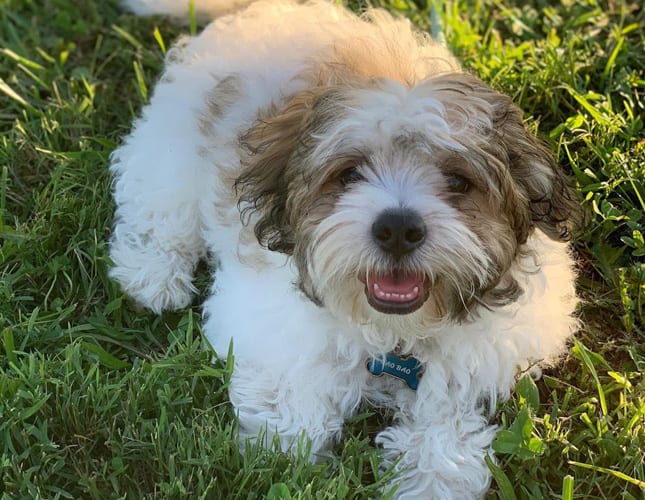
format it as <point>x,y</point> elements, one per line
<point>395,287</point>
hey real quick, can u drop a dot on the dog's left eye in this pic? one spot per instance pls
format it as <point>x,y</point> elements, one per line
<point>457,183</point>
<point>350,175</point>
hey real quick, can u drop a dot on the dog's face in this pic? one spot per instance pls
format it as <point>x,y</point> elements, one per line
<point>401,206</point>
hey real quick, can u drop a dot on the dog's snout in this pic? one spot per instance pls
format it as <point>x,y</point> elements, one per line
<point>399,232</point>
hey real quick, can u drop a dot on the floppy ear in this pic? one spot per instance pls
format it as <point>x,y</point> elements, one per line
<point>269,147</point>
<point>552,203</point>
<point>535,180</point>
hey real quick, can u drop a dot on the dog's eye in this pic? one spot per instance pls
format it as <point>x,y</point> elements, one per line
<point>350,175</point>
<point>457,183</point>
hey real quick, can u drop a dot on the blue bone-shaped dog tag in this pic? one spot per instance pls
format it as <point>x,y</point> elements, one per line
<point>406,368</point>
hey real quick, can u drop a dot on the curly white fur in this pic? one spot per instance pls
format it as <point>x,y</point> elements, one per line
<point>299,365</point>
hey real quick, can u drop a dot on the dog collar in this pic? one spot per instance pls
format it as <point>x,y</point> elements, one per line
<point>406,368</point>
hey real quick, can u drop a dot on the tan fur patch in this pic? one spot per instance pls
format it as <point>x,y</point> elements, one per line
<point>219,100</point>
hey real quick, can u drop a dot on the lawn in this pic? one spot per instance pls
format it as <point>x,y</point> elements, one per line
<point>100,399</point>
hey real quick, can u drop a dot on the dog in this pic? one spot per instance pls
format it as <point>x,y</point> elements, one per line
<point>381,225</point>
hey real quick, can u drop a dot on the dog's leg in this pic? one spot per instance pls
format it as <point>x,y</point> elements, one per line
<point>293,371</point>
<point>160,181</point>
<point>293,404</point>
<point>440,444</point>
<point>153,265</point>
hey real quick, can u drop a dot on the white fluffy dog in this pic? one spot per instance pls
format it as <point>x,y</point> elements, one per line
<point>381,224</point>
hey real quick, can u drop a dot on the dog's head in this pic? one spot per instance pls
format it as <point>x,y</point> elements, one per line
<point>397,200</point>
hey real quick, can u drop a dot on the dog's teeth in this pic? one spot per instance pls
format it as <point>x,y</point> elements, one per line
<point>394,296</point>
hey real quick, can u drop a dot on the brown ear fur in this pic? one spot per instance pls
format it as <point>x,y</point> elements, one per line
<point>269,147</point>
<point>552,204</point>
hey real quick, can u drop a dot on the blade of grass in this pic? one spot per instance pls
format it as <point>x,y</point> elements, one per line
<point>567,488</point>
<point>586,359</point>
<point>615,473</point>
<point>6,89</point>
<point>503,482</point>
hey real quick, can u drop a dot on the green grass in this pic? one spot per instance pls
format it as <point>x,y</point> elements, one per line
<point>99,399</point>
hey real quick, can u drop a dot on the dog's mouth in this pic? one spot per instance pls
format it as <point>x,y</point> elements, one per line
<point>396,292</point>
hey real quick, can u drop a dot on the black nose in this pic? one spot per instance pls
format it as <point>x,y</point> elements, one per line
<point>399,232</point>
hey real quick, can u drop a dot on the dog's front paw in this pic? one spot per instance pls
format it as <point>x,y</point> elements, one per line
<point>156,279</point>
<point>437,462</point>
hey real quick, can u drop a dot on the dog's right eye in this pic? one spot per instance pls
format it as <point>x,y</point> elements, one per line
<point>350,175</point>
